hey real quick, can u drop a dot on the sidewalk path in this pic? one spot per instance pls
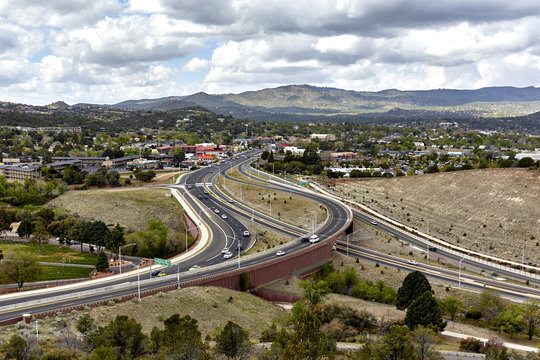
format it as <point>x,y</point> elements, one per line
<point>66,264</point>
<point>507,344</point>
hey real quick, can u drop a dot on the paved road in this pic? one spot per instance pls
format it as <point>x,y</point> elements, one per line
<point>223,230</point>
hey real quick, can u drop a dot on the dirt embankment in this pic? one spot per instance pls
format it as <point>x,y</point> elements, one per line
<point>496,211</point>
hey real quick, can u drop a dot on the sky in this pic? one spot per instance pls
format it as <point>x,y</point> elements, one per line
<point>106,51</point>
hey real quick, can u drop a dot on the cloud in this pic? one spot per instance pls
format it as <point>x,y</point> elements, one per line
<point>196,65</point>
<point>110,50</point>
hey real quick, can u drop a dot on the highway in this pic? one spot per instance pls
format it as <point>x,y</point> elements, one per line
<point>225,233</point>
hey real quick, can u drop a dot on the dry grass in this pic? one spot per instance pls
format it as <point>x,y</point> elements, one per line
<point>209,305</point>
<point>266,239</point>
<point>131,208</point>
<point>495,211</point>
<point>295,210</point>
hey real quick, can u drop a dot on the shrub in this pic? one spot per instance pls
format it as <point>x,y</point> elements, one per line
<point>471,344</point>
<point>473,313</point>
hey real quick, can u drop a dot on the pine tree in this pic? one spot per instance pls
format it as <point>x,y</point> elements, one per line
<point>102,262</point>
<point>414,285</point>
<point>424,311</point>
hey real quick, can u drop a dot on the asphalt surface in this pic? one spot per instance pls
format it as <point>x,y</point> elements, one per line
<point>227,233</point>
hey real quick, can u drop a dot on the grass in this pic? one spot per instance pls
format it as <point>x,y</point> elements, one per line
<point>130,208</point>
<point>246,310</point>
<point>294,209</point>
<point>58,272</point>
<point>49,253</point>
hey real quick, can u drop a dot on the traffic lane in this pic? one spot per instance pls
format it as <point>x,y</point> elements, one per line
<point>405,237</point>
<point>479,279</point>
<point>441,277</point>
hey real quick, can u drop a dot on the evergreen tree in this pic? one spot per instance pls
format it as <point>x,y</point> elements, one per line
<point>102,262</point>
<point>233,341</point>
<point>181,339</point>
<point>424,311</point>
<point>26,227</point>
<point>414,285</point>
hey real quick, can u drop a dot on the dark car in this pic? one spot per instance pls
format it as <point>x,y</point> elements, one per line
<point>158,273</point>
<point>304,239</point>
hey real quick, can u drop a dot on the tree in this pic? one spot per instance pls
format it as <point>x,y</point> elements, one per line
<point>314,291</point>
<point>85,325</point>
<point>26,227</point>
<point>451,306</point>
<point>97,232</point>
<point>115,238</point>
<point>424,340</point>
<point>510,320</point>
<point>525,162</point>
<point>16,348</point>
<point>20,268</point>
<point>181,339</point>
<point>102,262</point>
<point>490,304</point>
<point>124,335</point>
<point>233,341</point>
<point>424,311</point>
<point>413,286</point>
<point>178,157</point>
<point>41,236</point>
<point>396,345</point>
<point>6,218</point>
<point>531,315</point>
<point>308,341</point>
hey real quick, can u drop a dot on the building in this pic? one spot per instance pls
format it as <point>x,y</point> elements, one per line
<point>119,163</point>
<point>143,164</point>
<point>323,137</point>
<point>21,172</point>
<point>85,160</point>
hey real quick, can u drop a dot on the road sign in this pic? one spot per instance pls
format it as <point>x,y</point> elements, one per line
<point>163,262</point>
<point>303,183</point>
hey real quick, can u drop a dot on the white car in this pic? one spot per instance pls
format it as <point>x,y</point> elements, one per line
<point>216,211</point>
<point>412,262</point>
<point>246,233</point>
<point>223,216</point>
<point>280,253</point>
<point>373,222</point>
<point>314,238</point>
<point>228,255</point>
<point>224,250</point>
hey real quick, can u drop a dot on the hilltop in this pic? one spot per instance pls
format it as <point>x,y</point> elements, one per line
<point>297,102</point>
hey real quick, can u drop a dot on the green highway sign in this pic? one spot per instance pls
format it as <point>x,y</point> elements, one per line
<point>163,262</point>
<point>303,183</point>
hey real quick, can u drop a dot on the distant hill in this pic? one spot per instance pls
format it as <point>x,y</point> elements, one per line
<point>297,102</point>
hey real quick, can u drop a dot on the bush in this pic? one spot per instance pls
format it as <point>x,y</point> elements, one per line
<point>473,313</point>
<point>471,344</point>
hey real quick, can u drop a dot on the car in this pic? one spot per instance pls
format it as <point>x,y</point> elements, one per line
<point>195,267</point>
<point>246,233</point>
<point>205,191</point>
<point>373,222</point>
<point>280,253</point>
<point>223,216</point>
<point>189,186</point>
<point>216,211</point>
<point>314,238</point>
<point>230,200</point>
<point>412,262</point>
<point>200,196</point>
<point>211,171</point>
<point>228,255</point>
<point>304,239</point>
<point>158,273</point>
<point>224,250</point>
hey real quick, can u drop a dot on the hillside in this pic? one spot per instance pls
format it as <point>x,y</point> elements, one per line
<point>305,101</point>
<point>493,210</point>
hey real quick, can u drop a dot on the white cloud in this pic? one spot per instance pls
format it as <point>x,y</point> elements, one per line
<point>196,65</point>
<point>110,50</point>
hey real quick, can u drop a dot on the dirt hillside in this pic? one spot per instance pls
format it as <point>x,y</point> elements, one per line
<point>496,211</point>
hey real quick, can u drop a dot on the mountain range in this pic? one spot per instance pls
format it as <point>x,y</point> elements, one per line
<point>297,102</point>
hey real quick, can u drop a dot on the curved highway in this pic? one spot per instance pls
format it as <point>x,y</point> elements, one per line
<point>225,233</point>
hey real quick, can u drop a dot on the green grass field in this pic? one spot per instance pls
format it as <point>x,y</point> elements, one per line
<point>49,253</point>
<point>58,272</point>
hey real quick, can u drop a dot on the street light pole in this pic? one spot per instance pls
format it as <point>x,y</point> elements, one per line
<point>120,253</point>
<point>178,275</point>
<point>459,281</point>
<point>138,281</point>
